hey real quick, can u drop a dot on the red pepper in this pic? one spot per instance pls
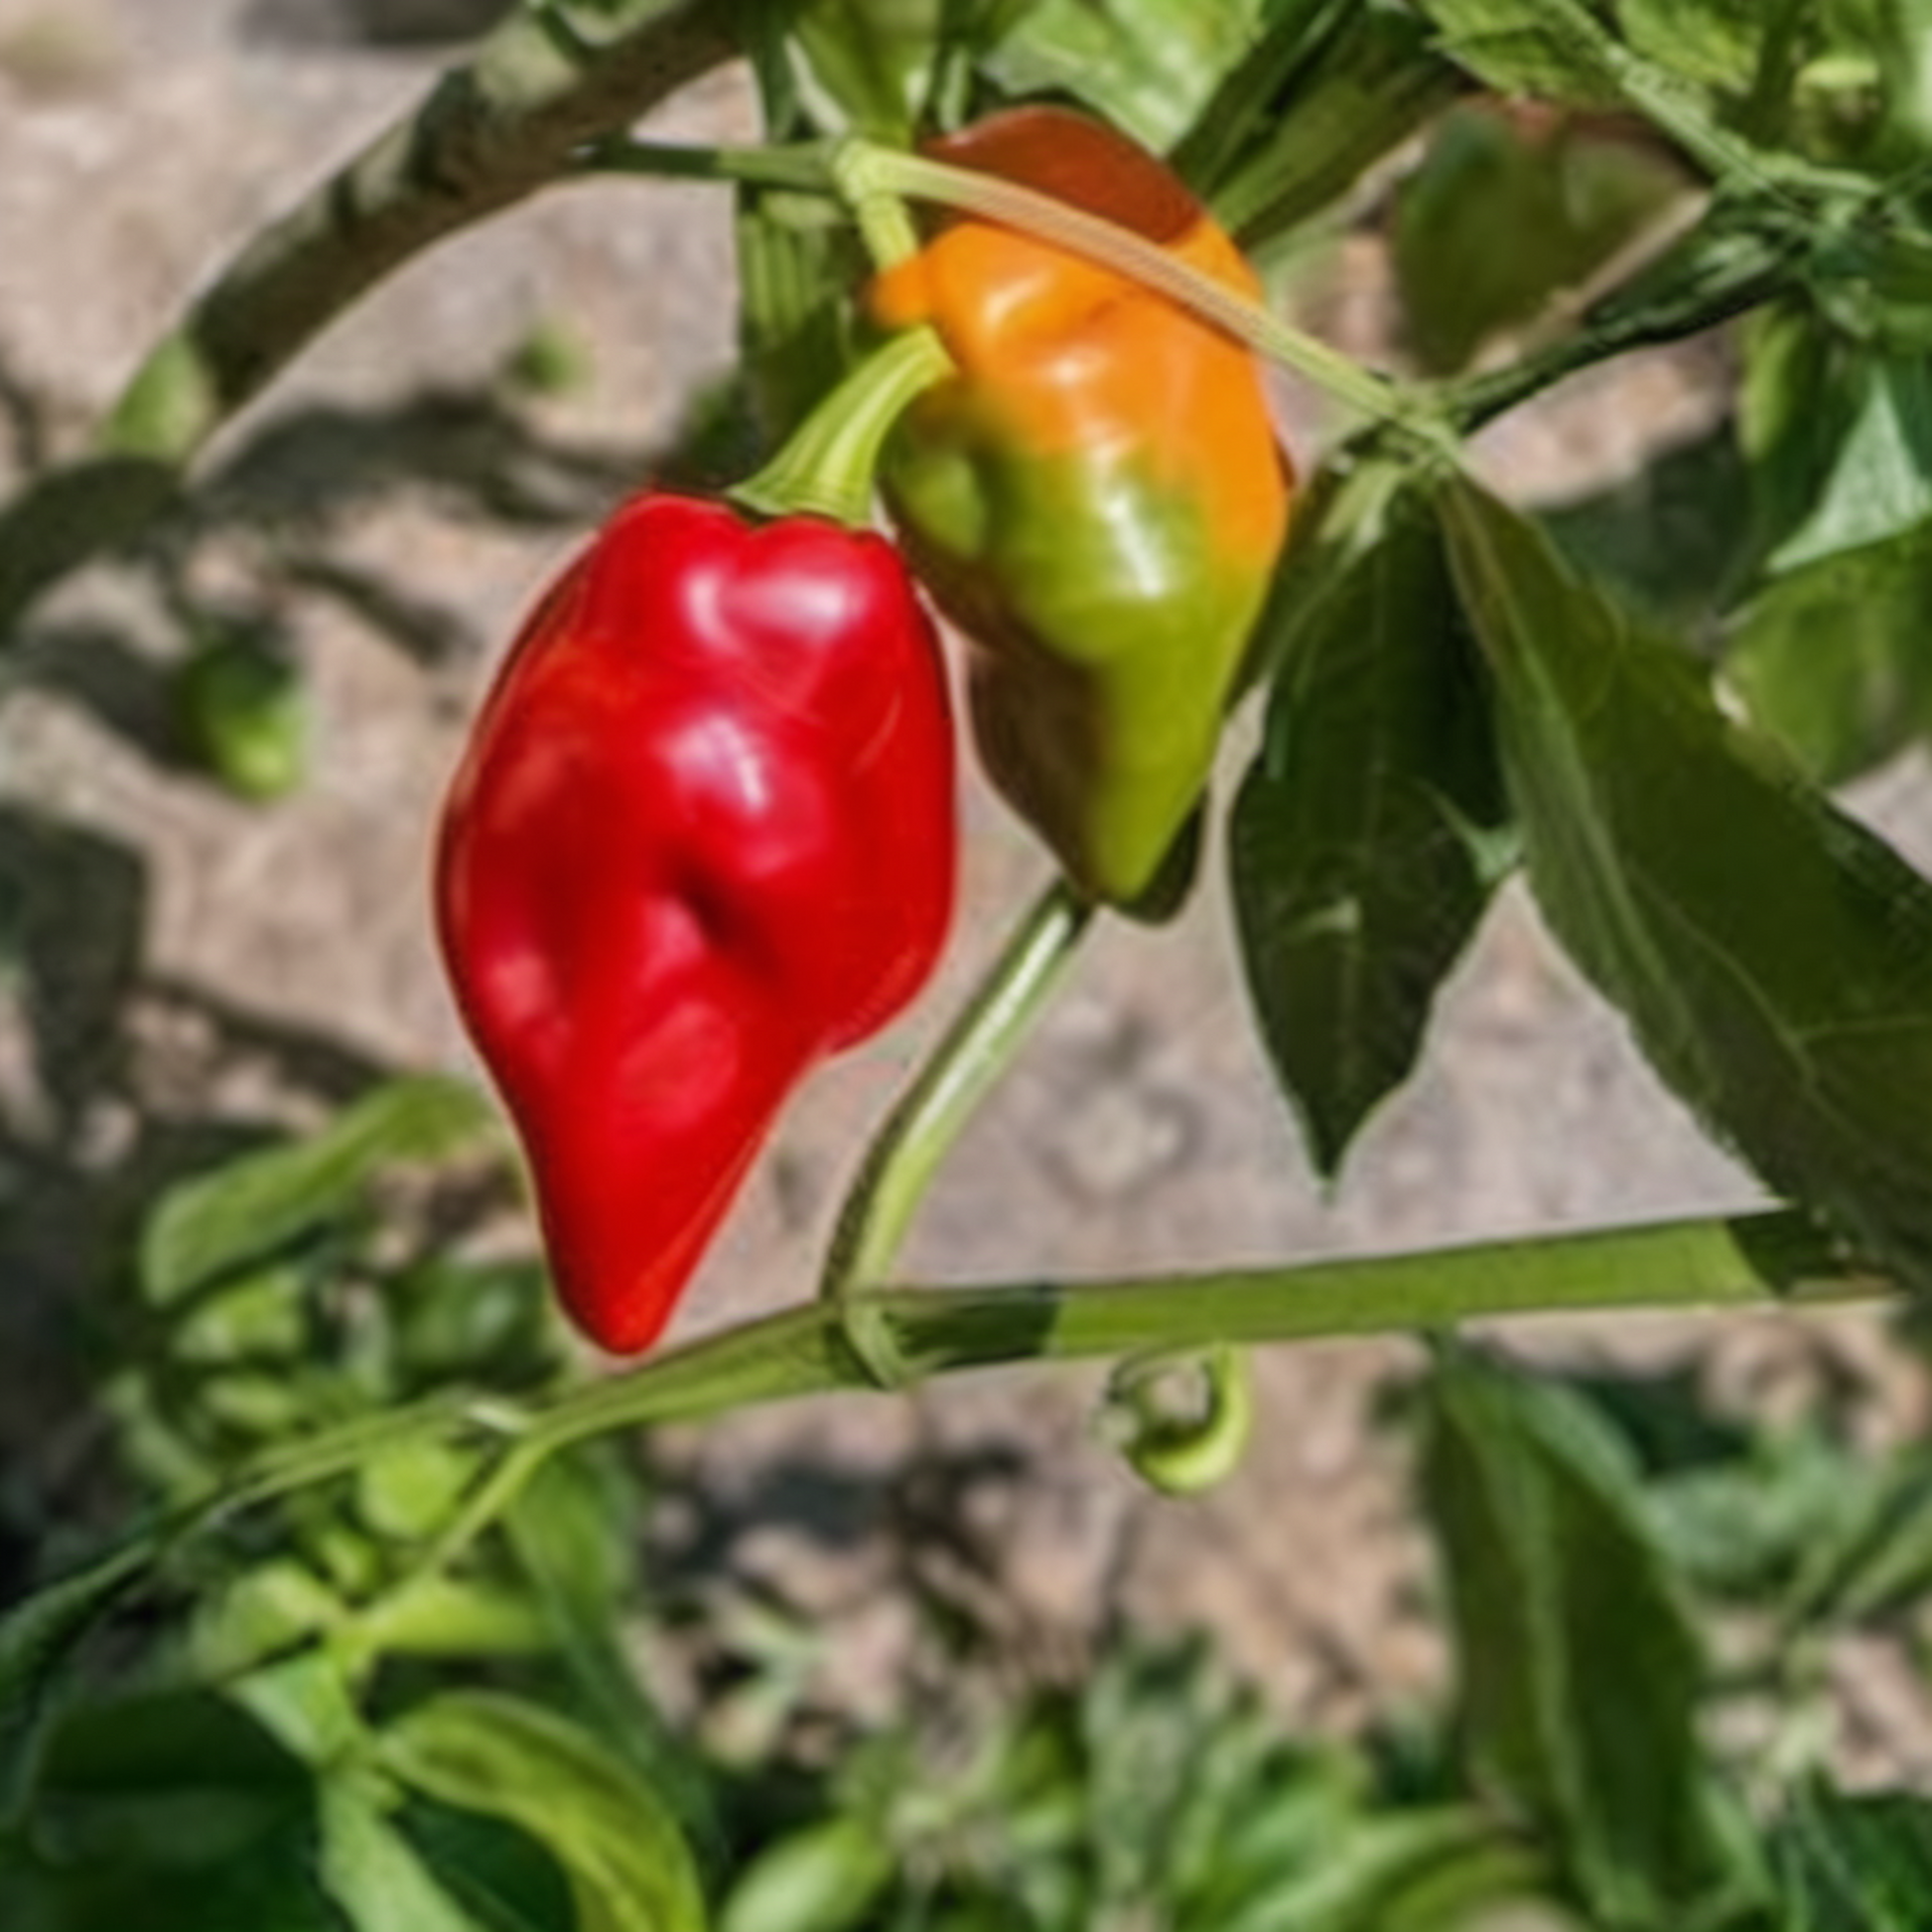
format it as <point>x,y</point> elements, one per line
<point>703,836</point>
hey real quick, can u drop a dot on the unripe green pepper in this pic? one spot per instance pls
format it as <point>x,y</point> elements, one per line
<point>1096,497</point>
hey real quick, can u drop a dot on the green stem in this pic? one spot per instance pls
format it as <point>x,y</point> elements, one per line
<point>826,468</point>
<point>1776,1259</point>
<point>872,180</point>
<point>1757,268</point>
<point>1765,1259</point>
<point>864,170</point>
<point>919,1132</point>
<point>805,167</point>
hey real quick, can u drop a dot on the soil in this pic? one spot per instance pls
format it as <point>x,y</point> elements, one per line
<point>185,964</point>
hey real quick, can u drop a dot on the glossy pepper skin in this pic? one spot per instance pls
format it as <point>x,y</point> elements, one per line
<point>1096,498</point>
<point>703,835</point>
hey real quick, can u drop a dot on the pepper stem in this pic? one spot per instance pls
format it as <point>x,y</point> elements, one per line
<point>976,1049</point>
<point>865,173</point>
<point>826,469</point>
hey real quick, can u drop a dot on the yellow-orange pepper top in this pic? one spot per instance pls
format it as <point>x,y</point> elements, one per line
<point>1096,497</point>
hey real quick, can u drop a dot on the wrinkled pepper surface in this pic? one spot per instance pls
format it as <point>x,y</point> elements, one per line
<point>703,835</point>
<point>1096,498</point>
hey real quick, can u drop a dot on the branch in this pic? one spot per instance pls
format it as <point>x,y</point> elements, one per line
<point>490,132</point>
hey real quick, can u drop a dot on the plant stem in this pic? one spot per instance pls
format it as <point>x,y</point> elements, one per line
<point>804,166</point>
<point>908,1149</point>
<point>1754,269</point>
<point>864,170</point>
<point>828,463</point>
<point>1774,1259</point>
<point>1778,1258</point>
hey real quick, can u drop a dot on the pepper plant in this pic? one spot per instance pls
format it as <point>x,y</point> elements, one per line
<point>703,838</point>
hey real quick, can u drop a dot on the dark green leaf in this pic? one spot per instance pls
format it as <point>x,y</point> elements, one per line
<point>1334,87</point>
<point>1796,404</point>
<point>628,1866</point>
<point>244,1212</point>
<point>1579,1668</point>
<point>504,1878</point>
<point>472,1321</point>
<point>1768,952</point>
<point>1670,540</point>
<point>1835,658</point>
<point>794,271</point>
<point>268,1887</point>
<point>174,1779</point>
<point>38,1640</point>
<point>1505,213</point>
<point>1854,1865</point>
<point>1363,842</point>
<point>1246,106</point>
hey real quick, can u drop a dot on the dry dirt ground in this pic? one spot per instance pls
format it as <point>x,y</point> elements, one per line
<point>189,960</point>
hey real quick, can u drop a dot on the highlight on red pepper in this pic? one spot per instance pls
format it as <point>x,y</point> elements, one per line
<point>703,836</point>
<point>1096,497</point>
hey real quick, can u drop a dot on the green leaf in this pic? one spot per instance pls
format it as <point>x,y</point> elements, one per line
<point>170,1779</point>
<point>1363,841</point>
<point>795,323</point>
<point>572,1531</point>
<point>242,1214</point>
<point>453,1616</point>
<point>1854,1864</point>
<point>269,1886</point>
<point>370,1869</point>
<point>408,1492</point>
<point>1673,539</point>
<point>1147,66</point>
<point>490,1322</point>
<point>825,1878</point>
<point>1844,437</point>
<point>1873,1552</point>
<point>873,58</point>
<point>1833,659</point>
<point>628,1866</point>
<point>1515,47</point>
<point>1331,89</point>
<point>843,66</point>
<point>1796,404</point>
<point>38,1640</point>
<point>499,1875</point>
<point>1579,1668</point>
<point>1768,952</point>
<point>1713,42</point>
<point>1503,216</point>
<point>1744,1529</point>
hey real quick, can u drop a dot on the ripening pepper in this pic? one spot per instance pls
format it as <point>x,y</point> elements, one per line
<point>1096,497</point>
<point>703,835</point>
